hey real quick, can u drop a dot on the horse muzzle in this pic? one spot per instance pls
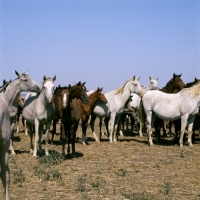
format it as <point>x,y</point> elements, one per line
<point>49,100</point>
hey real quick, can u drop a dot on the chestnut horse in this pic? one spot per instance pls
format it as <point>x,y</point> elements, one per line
<point>86,109</point>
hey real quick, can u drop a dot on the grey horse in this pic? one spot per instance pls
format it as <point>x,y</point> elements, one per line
<point>40,110</point>
<point>23,82</point>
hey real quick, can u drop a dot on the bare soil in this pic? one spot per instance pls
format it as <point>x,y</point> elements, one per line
<point>128,169</point>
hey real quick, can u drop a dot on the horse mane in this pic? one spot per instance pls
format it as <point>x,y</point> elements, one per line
<point>193,90</point>
<point>3,87</point>
<point>59,88</point>
<point>196,81</point>
<point>121,89</point>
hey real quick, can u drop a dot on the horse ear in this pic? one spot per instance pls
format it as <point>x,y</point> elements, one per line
<point>16,73</point>
<point>157,79</point>
<point>138,78</point>
<point>27,72</point>
<point>134,78</point>
<point>150,77</point>
<point>174,75</point>
<point>102,89</point>
<point>69,86</point>
<point>84,83</point>
<point>79,83</point>
<point>44,78</point>
<point>4,81</point>
<point>180,75</point>
<point>54,78</point>
<point>195,79</point>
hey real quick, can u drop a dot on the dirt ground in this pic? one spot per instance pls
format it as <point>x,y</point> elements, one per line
<point>128,169</point>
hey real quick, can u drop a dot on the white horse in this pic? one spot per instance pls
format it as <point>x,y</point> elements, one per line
<point>39,110</point>
<point>136,99</point>
<point>5,136</point>
<point>114,108</point>
<point>183,105</point>
<point>22,83</point>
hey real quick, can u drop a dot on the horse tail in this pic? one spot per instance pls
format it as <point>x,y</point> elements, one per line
<point>142,115</point>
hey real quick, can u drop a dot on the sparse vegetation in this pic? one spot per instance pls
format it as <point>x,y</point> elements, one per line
<point>128,169</point>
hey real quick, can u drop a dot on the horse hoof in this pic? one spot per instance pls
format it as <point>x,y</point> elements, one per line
<point>13,153</point>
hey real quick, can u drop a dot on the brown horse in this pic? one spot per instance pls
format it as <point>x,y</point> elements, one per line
<point>86,109</point>
<point>61,98</point>
<point>70,117</point>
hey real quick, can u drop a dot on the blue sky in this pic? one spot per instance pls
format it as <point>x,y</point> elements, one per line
<point>102,42</point>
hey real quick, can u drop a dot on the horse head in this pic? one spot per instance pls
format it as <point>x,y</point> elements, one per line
<point>27,83</point>
<point>48,88</point>
<point>153,83</point>
<point>177,83</point>
<point>135,86</point>
<point>79,91</point>
<point>100,95</point>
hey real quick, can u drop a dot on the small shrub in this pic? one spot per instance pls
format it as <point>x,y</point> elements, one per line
<point>81,183</point>
<point>167,187</point>
<point>19,177</point>
<point>135,196</point>
<point>48,174</point>
<point>54,158</point>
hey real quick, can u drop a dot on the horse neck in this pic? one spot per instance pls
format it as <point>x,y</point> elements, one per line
<point>168,88</point>
<point>92,98</point>
<point>12,92</point>
<point>125,94</point>
<point>41,99</point>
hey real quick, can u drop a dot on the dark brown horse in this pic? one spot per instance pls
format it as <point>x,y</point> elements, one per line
<point>71,115</point>
<point>61,97</point>
<point>86,109</point>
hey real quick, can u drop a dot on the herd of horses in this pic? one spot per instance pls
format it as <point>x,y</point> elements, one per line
<point>150,106</point>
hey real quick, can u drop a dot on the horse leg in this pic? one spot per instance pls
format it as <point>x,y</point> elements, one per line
<point>190,125</point>
<point>117,118</point>
<point>68,141</point>
<point>25,128</point>
<point>53,131</point>
<point>84,129</point>
<point>93,117</point>
<point>121,124</point>
<point>63,140</point>
<point>13,122</point>
<point>47,138</point>
<point>36,138</point>
<point>73,137</point>
<point>29,126</point>
<point>111,127</point>
<point>149,127</point>
<point>183,127</point>
<point>17,122</point>
<point>5,172</point>
<point>100,128</point>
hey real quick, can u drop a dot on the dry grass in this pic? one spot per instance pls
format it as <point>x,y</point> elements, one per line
<point>129,169</point>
